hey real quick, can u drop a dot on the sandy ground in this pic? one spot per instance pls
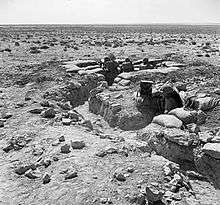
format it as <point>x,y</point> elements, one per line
<point>22,72</point>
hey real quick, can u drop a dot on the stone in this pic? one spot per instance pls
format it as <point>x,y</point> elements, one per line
<point>31,174</point>
<point>119,176</point>
<point>46,178</point>
<point>153,194</point>
<point>201,117</point>
<point>205,137</point>
<point>62,139</point>
<point>217,91</point>
<point>78,144</point>
<point>216,139</point>
<point>2,124</point>
<point>124,82</point>
<point>73,115</point>
<point>22,169</point>
<point>212,149</point>
<point>64,105</point>
<point>65,149</point>
<point>88,124</point>
<point>8,148</point>
<point>126,76</point>
<point>72,174</point>
<point>45,103</point>
<point>49,113</point>
<point>205,103</point>
<point>193,128</point>
<point>180,137</point>
<point>7,115</point>
<point>185,116</point>
<point>36,110</point>
<point>46,162</point>
<point>168,121</point>
<point>66,121</point>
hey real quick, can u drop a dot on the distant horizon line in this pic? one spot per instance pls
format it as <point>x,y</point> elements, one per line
<point>105,24</point>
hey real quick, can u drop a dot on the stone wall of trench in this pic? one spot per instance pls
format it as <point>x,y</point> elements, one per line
<point>111,105</point>
<point>183,147</point>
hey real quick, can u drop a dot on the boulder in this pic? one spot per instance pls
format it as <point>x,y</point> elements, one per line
<point>124,82</point>
<point>212,149</point>
<point>77,144</point>
<point>201,117</point>
<point>168,121</point>
<point>153,194</point>
<point>126,76</point>
<point>206,103</point>
<point>185,116</point>
<point>49,113</point>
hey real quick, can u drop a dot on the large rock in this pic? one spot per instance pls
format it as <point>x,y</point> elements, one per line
<point>209,167</point>
<point>185,116</point>
<point>168,121</point>
<point>206,103</point>
<point>173,144</point>
<point>212,149</point>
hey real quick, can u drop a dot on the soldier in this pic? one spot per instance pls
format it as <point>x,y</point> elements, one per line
<point>110,66</point>
<point>127,66</point>
<point>172,98</point>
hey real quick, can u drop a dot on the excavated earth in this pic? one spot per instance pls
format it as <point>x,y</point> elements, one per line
<point>68,138</point>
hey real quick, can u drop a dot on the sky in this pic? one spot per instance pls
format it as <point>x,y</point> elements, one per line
<point>108,11</point>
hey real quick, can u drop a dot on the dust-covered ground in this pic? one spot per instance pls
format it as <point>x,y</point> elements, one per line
<point>38,161</point>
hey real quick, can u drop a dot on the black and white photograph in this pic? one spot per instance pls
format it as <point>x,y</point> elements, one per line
<point>109,102</point>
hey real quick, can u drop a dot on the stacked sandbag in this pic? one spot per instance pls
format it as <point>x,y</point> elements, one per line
<point>169,121</point>
<point>184,115</point>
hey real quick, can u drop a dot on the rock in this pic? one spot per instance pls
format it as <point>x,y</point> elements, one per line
<point>130,169</point>
<point>205,137</point>
<point>193,128</point>
<point>216,139</point>
<point>64,105</point>
<point>21,170</point>
<point>62,139</point>
<point>88,124</point>
<point>180,137</point>
<point>46,162</point>
<point>36,110</point>
<point>212,149</point>
<point>46,178</point>
<point>8,148</point>
<point>217,91</point>
<point>49,113</point>
<point>6,115</point>
<point>201,117</point>
<point>73,115</point>
<point>66,121</point>
<point>65,149</point>
<point>185,116</point>
<point>2,124</point>
<point>124,82</point>
<point>31,174</point>
<point>77,144</point>
<point>45,103</point>
<point>117,79</point>
<point>119,176</point>
<point>153,194</point>
<point>126,76</point>
<point>72,174</point>
<point>205,103</point>
<point>168,121</point>
<point>136,198</point>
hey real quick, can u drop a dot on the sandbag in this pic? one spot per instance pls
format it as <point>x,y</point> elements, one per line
<point>169,121</point>
<point>185,116</point>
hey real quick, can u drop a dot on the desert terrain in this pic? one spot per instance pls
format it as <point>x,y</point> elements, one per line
<point>66,137</point>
